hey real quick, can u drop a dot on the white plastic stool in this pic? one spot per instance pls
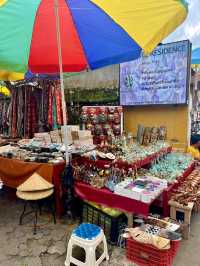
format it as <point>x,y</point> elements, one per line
<point>88,237</point>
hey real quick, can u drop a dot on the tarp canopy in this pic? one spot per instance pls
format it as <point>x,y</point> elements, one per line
<point>107,77</point>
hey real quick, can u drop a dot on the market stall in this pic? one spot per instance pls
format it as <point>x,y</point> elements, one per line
<point>13,178</point>
<point>44,155</point>
<point>113,183</point>
<point>120,171</point>
<point>128,205</point>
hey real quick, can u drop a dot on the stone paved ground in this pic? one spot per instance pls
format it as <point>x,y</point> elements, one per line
<point>19,247</point>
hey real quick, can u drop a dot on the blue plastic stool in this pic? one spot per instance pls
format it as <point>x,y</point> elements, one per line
<point>88,237</point>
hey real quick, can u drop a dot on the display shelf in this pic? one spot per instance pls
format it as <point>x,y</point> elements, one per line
<point>102,163</point>
<point>167,192</point>
<point>109,199</point>
<point>125,204</point>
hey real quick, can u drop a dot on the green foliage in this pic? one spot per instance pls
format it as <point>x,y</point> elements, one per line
<point>98,96</point>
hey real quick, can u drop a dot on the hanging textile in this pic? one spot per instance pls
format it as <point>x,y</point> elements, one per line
<point>14,115</point>
<point>31,108</point>
<point>50,115</point>
<point>58,103</point>
<point>54,114</point>
<point>4,107</point>
<point>34,120</point>
<point>45,104</point>
<point>20,113</point>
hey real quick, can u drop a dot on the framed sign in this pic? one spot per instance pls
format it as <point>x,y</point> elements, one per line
<point>161,78</point>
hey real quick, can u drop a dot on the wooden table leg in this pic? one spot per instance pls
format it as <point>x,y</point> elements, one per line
<point>57,171</point>
<point>130,219</point>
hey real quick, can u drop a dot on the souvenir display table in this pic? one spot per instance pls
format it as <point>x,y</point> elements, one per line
<point>122,164</point>
<point>171,167</point>
<point>125,204</point>
<point>44,154</point>
<point>14,172</point>
<point>107,198</point>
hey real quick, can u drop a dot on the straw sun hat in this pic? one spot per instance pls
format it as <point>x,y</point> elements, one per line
<point>34,195</point>
<point>35,188</point>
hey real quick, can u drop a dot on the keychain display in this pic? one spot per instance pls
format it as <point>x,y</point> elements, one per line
<point>99,178</point>
<point>189,191</point>
<point>171,166</point>
<point>103,121</point>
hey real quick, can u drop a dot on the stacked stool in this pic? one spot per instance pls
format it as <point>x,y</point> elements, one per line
<point>88,237</point>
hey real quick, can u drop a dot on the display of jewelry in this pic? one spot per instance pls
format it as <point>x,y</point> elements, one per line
<point>189,191</point>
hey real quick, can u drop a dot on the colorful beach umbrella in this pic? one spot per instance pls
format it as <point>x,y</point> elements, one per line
<point>196,56</point>
<point>56,36</point>
<point>93,33</point>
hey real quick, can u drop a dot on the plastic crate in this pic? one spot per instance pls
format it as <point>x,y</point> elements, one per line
<point>175,245</point>
<point>147,255</point>
<point>110,225</point>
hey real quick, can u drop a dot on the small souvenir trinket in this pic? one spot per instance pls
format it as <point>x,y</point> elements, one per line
<point>111,117</point>
<point>102,118</point>
<point>89,126</point>
<point>84,117</point>
<point>147,136</point>
<point>111,109</point>
<point>116,129</point>
<point>154,135</point>
<point>163,133</point>
<point>94,119</point>
<point>98,129</point>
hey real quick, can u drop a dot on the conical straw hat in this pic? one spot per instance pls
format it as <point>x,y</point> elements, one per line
<point>34,195</point>
<point>34,183</point>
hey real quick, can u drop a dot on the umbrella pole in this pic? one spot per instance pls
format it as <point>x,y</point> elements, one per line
<point>61,80</point>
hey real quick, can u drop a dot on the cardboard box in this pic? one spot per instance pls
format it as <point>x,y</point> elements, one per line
<point>84,134</point>
<point>55,136</point>
<point>43,137</point>
<point>83,142</point>
<point>70,128</point>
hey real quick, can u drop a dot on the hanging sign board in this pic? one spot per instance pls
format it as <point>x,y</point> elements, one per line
<point>161,78</point>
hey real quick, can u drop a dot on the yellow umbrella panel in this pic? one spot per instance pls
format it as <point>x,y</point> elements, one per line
<point>148,22</point>
<point>10,76</point>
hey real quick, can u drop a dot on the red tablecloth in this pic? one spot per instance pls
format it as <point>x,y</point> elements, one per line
<point>107,198</point>
<point>57,171</point>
